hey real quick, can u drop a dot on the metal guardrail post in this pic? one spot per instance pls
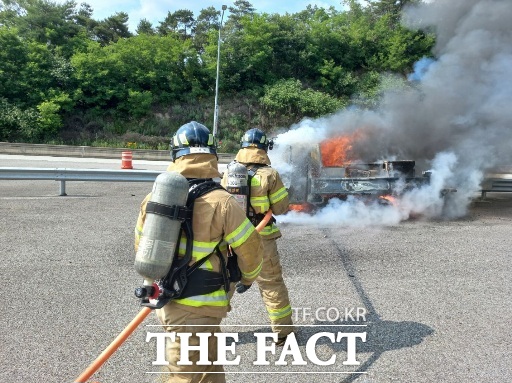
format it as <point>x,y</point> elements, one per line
<point>62,191</point>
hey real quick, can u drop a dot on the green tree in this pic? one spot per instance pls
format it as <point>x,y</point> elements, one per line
<point>47,22</point>
<point>84,18</point>
<point>337,80</point>
<point>57,62</point>
<point>56,25</point>
<point>145,27</point>
<point>391,8</point>
<point>15,122</point>
<point>185,22</point>
<point>13,57</point>
<point>49,121</point>
<point>208,19</point>
<point>30,71</point>
<point>239,10</point>
<point>138,104</point>
<point>207,22</point>
<point>9,13</point>
<point>112,29</point>
<point>287,101</point>
<point>398,49</point>
<point>167,67</point>
<point>178,22</point>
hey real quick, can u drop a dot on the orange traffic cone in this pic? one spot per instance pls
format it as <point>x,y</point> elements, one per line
<point>126,160</point>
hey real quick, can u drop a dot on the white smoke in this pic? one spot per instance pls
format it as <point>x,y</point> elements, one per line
<point>454,120</point>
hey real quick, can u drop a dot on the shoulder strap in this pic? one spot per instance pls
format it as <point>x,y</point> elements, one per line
<point>251,172</point>
<point>253,168</point>
<point>199,187</point>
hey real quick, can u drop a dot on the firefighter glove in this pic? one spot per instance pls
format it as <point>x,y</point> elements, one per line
<point>241,288</point>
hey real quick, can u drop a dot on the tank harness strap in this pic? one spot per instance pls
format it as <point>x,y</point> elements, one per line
<point>253,168</point>
<point>185,281</point>
<point>199,187</point>
<point>253,217</point>
<point>179,213</point>
<point>201,281</point>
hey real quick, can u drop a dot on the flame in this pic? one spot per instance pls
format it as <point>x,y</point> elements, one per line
<point>337,151</point>
<point>389,199</point>
<point>303,207</point>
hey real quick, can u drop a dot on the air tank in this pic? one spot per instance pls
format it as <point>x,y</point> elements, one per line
<point>160,233</point>
<point>237,182</point>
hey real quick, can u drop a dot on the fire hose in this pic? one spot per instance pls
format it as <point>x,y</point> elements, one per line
<point>264,221</point>
<point>132,326</point>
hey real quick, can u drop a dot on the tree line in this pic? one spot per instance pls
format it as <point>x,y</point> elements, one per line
<point>68,78</point>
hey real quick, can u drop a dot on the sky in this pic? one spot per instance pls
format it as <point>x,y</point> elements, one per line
<point>156,10</point>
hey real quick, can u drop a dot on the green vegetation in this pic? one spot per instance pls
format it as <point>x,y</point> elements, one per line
<point>67,78</point>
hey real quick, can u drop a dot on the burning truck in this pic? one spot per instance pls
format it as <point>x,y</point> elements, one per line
<point>331,170</point>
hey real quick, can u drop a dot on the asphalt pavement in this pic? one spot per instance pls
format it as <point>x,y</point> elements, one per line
<point>434,296</point>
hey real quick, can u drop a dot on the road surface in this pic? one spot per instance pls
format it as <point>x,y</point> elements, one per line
<point>436,295</point>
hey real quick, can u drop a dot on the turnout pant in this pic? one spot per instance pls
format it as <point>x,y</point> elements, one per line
<point>273,290</point>
<point>182,321</point>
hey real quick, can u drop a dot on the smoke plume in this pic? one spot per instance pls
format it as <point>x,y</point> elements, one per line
<point>455,119</point>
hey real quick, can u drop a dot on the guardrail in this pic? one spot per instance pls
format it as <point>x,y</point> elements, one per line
<point>501,184</point>
<point>92,152</point>
<point>64,175</point>
<point>496,185</point>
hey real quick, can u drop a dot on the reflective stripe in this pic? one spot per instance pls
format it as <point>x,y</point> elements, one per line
<point>260,202</point>
<point>267,230</point>
<point>218,298</point>
<point>278,195</point>
<point>183,138</point>
<point>223,246</point>
<point>255,181</point>
<point>207,265</point>
<point>203,248</point>
<point>253,274</point>
<point>182,247</point>
<point>199,251</point>
<point>279,313</point>
<point>240,234</point>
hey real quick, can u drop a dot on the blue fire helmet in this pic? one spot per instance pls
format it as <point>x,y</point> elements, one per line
<point>192,138</point>
<point>256,138</point>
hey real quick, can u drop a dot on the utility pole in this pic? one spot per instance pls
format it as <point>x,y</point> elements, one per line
<point>216,109</point>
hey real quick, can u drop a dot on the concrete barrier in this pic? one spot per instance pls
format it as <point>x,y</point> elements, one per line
<point>91,152</point>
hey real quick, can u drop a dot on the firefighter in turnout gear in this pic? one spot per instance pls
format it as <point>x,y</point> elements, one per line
<point>218,221</point>
<point>266,191</point>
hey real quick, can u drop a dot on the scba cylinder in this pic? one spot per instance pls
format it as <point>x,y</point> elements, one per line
<point>160,233</point>
<point>237,180</point>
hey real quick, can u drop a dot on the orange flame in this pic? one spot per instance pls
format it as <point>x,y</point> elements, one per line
<point>337,151</point>
<point>390,199</point>
<point>303,208</point>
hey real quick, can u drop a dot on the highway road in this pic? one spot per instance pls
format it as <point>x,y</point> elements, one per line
<point>436,295</point>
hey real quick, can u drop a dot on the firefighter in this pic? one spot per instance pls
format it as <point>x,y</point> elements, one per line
<point>266,191</point>
<point>216,219</point>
